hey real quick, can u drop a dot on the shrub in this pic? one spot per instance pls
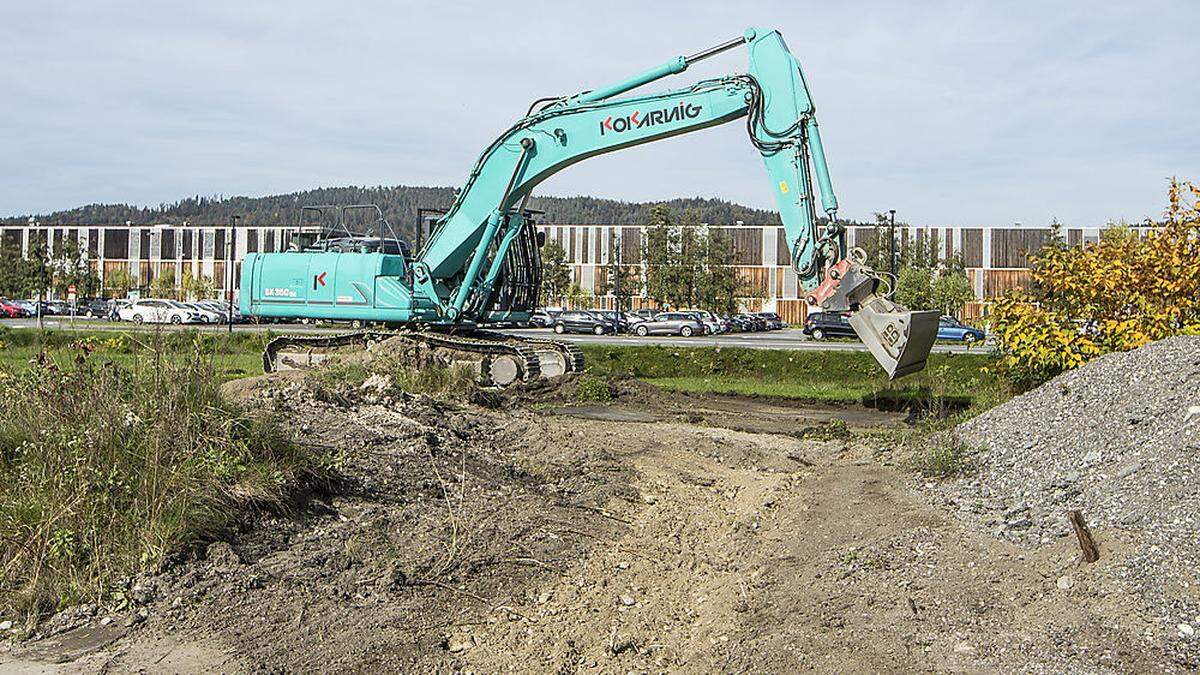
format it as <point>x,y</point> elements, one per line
<point>594,389</point>
<point>1117,294</point>
<point>944,457</point>
<point>106,470</point>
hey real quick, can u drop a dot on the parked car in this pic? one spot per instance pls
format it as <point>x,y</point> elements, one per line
<point>207,314</point>
<point>773,320</point>
<point>115,307</point>
<point>543,318</point>
<point>95,308</point>
<point>578,321</point>
<point>10,310</point>
<point>713,324</point>
<point>30,307</point>
<point>645,313</point>
<point>223,310</point>
<point>670,323</point>
<point>57,307</point>
<point>950,328</point>
<point>158,311</point>
<point>821,325</point>
<point>619,319</point>
<point>750,322</point>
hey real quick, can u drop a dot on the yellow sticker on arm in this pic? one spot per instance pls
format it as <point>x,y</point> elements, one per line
<point>783,186</point>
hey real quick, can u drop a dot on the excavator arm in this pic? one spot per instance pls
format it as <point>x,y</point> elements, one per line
<point>455,273</point>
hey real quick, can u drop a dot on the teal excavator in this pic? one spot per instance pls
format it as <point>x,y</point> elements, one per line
<point>481,263</point>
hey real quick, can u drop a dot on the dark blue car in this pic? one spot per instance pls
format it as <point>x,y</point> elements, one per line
<point>950,328</point>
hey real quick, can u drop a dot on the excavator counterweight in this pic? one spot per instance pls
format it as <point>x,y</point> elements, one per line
<point>481,262</point>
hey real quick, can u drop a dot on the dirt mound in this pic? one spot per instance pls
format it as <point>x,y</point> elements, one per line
<point>441,509</point>
<point>1118,439</point>
<point>574,388</point>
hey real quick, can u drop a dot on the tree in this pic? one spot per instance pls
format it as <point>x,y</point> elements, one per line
<point>951,291</point>
<point>577,298</point>
<point>118,282</point>
<point>38,271</point>
<point>914,288</point>
<point>628,272</point>
<point>719,285</point>
<point>556,274</point>
<point>659,251</point>
<point>14,272</point>
<point>202,288</point>
<point>163,286</point>
<point>72,268</point>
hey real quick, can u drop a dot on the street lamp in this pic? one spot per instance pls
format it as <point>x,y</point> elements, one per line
<point>617,281</point>
<point>892,232</point>
<point>229,271</point>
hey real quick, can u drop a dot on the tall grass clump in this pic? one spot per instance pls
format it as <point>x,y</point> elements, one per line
<point>106,469</point>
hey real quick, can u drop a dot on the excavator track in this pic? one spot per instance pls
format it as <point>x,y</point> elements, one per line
<point>505,359</point>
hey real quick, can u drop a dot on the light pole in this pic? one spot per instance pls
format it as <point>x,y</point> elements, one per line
<point>229,272</point>
<point>892,233</point>
<point>617,281</point>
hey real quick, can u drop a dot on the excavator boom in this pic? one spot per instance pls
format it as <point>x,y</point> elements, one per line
<point>464,273</point>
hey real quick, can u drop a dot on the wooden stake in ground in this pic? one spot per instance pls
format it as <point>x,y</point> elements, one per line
<point>1086,543</point>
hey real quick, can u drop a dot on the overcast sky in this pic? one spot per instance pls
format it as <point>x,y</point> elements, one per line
<point>949,112</point>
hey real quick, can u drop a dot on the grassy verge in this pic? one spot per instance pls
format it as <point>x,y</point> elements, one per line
<point>107,468</point>
<point>231,355</point>
<point>825,376</point>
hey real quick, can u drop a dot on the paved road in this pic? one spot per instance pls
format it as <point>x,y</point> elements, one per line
<point>785,339</point>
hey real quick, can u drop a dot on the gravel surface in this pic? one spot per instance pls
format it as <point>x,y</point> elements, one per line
<point>1118,439</point>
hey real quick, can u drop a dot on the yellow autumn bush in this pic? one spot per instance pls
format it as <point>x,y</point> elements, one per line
<point>1114,295</point>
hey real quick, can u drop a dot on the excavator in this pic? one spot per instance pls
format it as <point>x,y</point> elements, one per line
<point>481,263</point>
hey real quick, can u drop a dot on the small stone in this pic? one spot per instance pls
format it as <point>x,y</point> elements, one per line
<point>1186,630</point>
<point>105,621</point>
<point>1131,518</point>
<point>134,619</point>
<point>1092,457</point>
<point>1016,511</point>
<point>544,597</point>
<point>649,499</point>
<point>627,600</point>
<point>624,565</point>
<point>6,625</point>
<point>222,554</point>
<point>1129,470</point>
<point>459,643</point>
<point>1065,582</point>
<point>964,648</point>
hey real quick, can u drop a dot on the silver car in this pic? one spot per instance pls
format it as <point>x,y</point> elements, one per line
<point>670,323</point>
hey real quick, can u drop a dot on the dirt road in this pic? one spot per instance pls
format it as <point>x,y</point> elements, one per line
<point>654,533</point>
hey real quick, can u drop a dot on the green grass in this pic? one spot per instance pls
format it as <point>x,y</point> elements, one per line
<point>230,355</point>
<point>825,376</point>
<point>110,465</point>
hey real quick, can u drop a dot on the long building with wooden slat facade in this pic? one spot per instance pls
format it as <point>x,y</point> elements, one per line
<point>996,258</point>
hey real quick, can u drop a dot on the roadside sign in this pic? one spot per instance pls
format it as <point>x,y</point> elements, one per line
<point>71,293</point>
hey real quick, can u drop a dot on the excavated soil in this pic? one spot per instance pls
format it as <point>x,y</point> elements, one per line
<point>648,533</point>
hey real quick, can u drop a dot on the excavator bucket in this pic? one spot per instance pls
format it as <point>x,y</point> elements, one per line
<point>899,340</point>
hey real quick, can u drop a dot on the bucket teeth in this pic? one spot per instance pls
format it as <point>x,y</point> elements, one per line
<point>899,340</point>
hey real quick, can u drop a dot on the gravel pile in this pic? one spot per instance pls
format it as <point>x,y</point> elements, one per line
<point>1118,439</point>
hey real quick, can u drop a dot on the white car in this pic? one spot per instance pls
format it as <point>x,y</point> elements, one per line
<point>222,309</point>
<point>158,311</point>
<point>712,325</point>
<point>207,314</point>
